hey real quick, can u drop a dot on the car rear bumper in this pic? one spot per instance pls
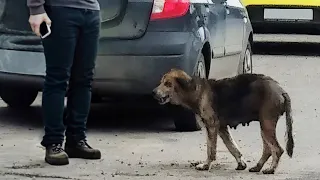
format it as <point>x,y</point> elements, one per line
<point>133,74</point>
<point>121,75</point>
<point>260,25</point>
<point>125,67</point>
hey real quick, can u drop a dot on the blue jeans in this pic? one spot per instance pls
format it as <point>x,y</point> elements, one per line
<point>70,53</point>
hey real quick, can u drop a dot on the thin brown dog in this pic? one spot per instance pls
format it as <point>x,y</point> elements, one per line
<point>230,102</point>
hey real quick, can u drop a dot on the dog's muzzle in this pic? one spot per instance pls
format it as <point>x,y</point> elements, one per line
<point>161,99</point>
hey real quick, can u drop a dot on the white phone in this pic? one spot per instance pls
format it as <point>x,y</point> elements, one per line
<point>45,30</point>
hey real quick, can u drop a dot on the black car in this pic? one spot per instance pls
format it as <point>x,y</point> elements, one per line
<point>140,41</point>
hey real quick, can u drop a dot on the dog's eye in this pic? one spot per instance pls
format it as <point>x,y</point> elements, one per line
<point>168,84</point>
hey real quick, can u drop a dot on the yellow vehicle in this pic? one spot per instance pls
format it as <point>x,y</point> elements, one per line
<point>284,16</point>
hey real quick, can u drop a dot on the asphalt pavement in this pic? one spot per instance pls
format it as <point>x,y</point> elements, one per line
<point>139,143</point>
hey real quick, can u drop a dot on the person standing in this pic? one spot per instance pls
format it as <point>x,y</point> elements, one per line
<point>70,52</point>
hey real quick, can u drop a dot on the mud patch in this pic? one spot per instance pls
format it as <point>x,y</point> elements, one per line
<point>132,174</point>
<point>216,166</point>
<point>190,166</point>
<point>194,164</point>
<point>187,169</point>
<point>29,166</point>
<point>35,175</point>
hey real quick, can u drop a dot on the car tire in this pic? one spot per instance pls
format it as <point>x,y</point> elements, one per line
<point>18,97</point>
<point>247,65</point>
<point>185,119</point>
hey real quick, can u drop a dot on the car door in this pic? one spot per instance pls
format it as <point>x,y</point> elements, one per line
<point>234,31</point>
<point>216,26</point>
<point>217,29</point>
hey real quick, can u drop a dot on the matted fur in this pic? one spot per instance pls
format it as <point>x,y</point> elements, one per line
<point>227,103</point>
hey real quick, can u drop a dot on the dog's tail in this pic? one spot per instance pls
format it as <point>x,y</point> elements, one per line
<point>289,121</point>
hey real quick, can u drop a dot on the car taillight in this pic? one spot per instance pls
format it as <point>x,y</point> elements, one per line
<point>165,9</point>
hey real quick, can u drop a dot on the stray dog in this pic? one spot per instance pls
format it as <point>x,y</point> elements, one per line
<point>230,102</point>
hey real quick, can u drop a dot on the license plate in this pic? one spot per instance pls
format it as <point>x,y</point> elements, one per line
<point>288,14</point>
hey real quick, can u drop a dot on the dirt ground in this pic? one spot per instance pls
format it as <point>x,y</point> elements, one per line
<point>143,145</point>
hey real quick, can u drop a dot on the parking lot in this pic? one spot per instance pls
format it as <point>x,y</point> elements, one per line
<point>143,145</point>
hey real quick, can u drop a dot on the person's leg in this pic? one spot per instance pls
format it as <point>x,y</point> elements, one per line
<point>59,50</point>
<point>79,95</point>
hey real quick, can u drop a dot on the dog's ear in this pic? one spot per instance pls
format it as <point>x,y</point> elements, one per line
<point>186,84</point>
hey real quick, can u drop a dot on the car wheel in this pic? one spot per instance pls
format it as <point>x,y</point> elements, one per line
<point>247,60</point>
<point>18,97</point>
<point>186,120</point>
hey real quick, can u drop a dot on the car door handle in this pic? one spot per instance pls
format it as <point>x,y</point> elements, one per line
<point>207,8</point>
<point>224,3</point>
<point>245,20</point>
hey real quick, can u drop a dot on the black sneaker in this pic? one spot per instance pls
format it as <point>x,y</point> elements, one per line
<point>82,150</point>
<point>55,155</point>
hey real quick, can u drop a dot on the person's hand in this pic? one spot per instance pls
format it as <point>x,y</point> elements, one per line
<point>36,20</point>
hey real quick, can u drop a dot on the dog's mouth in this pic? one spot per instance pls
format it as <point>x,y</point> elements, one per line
<point>163,100</point>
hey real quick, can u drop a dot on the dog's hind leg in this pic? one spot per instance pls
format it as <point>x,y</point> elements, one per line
<point>269,132</point>
<point>212,136</point>
<point>265,155</point>
<point>232,147</point>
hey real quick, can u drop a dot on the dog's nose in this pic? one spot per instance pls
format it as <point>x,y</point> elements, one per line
<point>154,92</point>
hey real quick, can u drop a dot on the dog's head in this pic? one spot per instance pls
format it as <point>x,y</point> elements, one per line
<point>173,87</point>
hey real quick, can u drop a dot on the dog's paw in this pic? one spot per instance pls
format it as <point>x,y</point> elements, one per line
<point>255,169</point>
<point>268,171</point>
<point>241,166</point>
<point>202,167</point>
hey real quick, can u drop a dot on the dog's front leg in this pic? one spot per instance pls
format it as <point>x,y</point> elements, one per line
<point>232,147</point>
<point>212,136</point>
